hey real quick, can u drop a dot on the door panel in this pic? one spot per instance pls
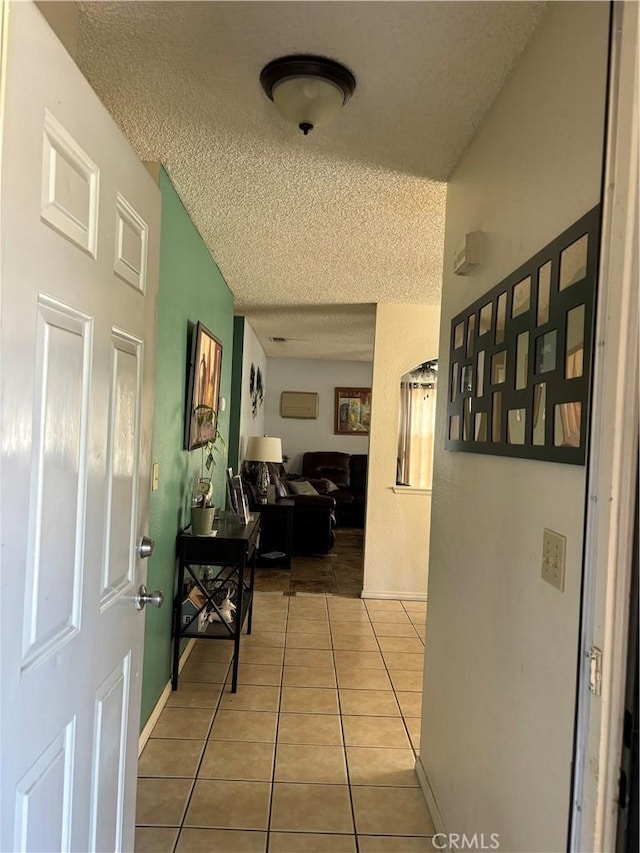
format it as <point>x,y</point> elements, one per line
<point>79,218</point>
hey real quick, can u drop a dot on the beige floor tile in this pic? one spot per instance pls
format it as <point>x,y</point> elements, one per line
<point>183,723</point>
<point>403,679</point>
<point>410,703</point>
<point>360,615</point>
<point>229,805</point>
<point>266,623</point>
<point>251,697</point>
<point>258,726</point>
<point>257,673</point>
<point>198,670</point>
<point>227,759</point>
<point>414,725</point>
<point>263,638</point>
<point>307,763</point>
<point>165,757</point>
<point>302,842</point>
<point>358,659</point>
<point>384,606</point>
<point>311,808</point>
<point>151,839</point>
<point>363,679</point>
<point>310,729</point>
<point>412,645</point>
<point>382,766</point>
<point>372,703</point>
<point>306,676</point>
<point>391,811</point>
<point>221,841</point>
<point>214,652</point>
<point>298,640</point>
<point>161,802</point>
<point>416,606</point>
<point>395,844</point>
<point>351,642</point>
<point>270,655</point>
<point>308,626</point>
<point>309,700</point>
<point>300,608</point>
<point>375,731</point>
<point>308,657</point>
<point>191,694</point>
<point>354,629</point>
<point>389,616</point>
<point>404,660</point>
<point>395,629</point>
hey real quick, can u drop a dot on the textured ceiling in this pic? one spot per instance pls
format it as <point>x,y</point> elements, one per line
<point>347,217</point>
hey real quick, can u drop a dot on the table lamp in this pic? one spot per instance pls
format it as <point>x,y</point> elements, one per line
<point>263,449</point>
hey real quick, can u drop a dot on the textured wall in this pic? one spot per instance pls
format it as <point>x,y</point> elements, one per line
<point>191,289</point>
<point>498,712</point>
<point>397,531</point>
<point>322,377</point>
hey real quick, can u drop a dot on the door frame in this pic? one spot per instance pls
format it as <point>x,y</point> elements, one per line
<point>613,462</point>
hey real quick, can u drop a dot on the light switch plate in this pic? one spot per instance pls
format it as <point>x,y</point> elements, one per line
<point>155,477</point>
<point>554,547</point>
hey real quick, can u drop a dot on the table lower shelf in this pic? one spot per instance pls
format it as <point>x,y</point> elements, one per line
<point>220,630</point>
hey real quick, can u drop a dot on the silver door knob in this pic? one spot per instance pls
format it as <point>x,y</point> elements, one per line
<point>155,598</point>
<point>145,549</point>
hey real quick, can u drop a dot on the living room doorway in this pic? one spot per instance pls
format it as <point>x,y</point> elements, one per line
<point>337,573</point>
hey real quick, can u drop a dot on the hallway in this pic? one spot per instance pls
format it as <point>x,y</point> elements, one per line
<point>316,750</point>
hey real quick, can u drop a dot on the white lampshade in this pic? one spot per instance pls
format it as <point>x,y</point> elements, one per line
<point>263,448</point>
<point>308,100</point>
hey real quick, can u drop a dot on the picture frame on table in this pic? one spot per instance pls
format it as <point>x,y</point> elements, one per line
<point>231,497</point>
<point>240,500</point>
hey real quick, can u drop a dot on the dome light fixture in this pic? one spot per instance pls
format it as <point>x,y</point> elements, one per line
<point>307,90</point>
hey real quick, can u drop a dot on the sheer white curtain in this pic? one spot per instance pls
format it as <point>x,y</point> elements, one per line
<point>415,435</point>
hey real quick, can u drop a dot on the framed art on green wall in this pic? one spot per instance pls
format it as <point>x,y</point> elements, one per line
<point>203,389</point>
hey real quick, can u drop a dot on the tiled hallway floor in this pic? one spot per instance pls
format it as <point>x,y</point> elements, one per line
<point>316,750</point>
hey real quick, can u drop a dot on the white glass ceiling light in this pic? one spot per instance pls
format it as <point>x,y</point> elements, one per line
<point>307,90</point>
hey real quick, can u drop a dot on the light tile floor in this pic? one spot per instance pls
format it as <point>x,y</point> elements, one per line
<point>315,752</point>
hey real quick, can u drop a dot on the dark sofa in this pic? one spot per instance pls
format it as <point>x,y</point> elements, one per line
<point>314,517</point>
<point>346,471</point>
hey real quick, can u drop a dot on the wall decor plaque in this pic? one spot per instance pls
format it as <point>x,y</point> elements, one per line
<point>520,356</point>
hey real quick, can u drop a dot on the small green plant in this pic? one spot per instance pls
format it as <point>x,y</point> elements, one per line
<point>205,415</point>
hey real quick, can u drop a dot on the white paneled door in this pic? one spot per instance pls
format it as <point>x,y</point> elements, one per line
<point>79,220</point>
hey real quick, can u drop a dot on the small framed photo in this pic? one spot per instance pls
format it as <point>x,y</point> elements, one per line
<point>240,500</point>
<point>352,411</point>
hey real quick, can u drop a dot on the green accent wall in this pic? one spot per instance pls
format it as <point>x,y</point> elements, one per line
<point>236,393</point>
<point>191,288</point>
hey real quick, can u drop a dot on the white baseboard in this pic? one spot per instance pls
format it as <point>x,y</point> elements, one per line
<point>145,734</point>
<point>404,596</point>
<point>430,799</point>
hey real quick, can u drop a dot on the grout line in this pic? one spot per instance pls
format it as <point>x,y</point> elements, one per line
<point>204,749</point>
<point>275,742</point>
<point>344,741</point>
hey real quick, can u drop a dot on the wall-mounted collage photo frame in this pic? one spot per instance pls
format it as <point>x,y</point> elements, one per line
<point>520,356</point>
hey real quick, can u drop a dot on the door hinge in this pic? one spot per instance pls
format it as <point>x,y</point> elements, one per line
<point>595,670</point>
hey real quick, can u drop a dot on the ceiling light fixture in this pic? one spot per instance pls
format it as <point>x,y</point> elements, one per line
<point>307,90</point>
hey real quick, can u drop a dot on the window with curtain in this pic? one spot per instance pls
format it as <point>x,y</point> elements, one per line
<point>417,424</point>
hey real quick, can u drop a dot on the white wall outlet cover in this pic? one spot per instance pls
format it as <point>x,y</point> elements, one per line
<point>554,549</point>
<point>467,254</point>
<point>223,403</point>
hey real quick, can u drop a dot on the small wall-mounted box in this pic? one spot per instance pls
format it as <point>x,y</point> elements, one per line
<point>467,255</point>
<point>299,404</point>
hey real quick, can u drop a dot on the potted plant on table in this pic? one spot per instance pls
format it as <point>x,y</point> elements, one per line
<point>202,508</point>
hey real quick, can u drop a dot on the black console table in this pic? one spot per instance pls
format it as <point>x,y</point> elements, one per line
<point>206,562</point>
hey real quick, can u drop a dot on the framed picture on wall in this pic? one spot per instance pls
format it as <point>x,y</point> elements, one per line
<point>352,411</point>
<point>203,389</point>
